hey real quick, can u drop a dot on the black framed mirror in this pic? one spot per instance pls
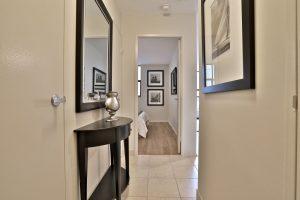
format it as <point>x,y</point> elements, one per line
<point>93,54</point>
<point>228,45</point>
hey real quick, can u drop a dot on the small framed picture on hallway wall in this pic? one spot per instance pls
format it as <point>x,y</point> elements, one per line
<point>174,81</point>
<point>155,78</point>
<point>228,45</point>
<point>155,97</point>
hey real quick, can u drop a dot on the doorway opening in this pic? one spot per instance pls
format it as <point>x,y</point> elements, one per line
<point>158,122</point>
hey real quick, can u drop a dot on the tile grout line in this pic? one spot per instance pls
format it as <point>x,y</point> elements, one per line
<point>170,163</point>
<point>148,175</point>
<point>176,181</point>
<point>147,187</point>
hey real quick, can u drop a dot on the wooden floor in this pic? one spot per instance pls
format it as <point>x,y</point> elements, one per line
<point>161,140</point>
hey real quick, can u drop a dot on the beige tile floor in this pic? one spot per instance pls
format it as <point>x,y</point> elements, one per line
<point>162,177</point>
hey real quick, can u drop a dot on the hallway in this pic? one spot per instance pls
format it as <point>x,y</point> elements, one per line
<point>150,100</point>
<point>161,140</point>
<point>163,177</point>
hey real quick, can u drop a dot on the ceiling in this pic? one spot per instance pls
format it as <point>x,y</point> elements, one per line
<point>156,50</point>
<point>154,6</point>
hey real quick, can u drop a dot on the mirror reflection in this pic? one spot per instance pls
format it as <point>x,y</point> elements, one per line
<point>95,53</point>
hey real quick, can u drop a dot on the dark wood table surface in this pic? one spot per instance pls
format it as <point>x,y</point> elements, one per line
<point>99,133</point>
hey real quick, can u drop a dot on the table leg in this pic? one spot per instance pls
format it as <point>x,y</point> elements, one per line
<point>118,170</point>
<point>83,166</point>
<point>112,153</point>
<point>113,166</point>
<point>126,148</point>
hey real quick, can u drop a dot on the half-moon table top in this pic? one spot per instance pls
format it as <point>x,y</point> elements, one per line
<point>104,125</point>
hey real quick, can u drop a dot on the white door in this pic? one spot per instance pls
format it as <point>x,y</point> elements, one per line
<point>31,71</point>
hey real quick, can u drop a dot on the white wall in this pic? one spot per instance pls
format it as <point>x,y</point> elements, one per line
<point>155,113</point>
<point>246,143</point>
<point>95,23</point>
<point>173,99</point>
<point>98,157</point>
<point>175,25</point>
<point>95,55</point>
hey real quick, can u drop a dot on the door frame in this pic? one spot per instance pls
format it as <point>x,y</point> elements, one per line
<point>179,89</point>
<point>296,4</point>
<point>292,176</point>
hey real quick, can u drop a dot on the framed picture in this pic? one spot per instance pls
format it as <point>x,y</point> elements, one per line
<point>228,45</point>
<point>99,81</point>
<point>174,81</point>
<point>155,78</point>
<point>155,97</point>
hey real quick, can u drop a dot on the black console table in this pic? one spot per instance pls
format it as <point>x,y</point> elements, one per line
<point>101,133</point>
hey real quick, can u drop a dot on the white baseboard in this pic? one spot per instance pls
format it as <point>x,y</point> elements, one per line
<point>175,130</point>
<point>158,121</point>
<point>199,196</point>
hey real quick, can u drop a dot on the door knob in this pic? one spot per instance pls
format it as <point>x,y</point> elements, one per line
<point>57,100</point>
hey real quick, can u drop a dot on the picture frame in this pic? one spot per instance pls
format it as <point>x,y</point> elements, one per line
<point>155,78</point>
<point>228,45</point>
<point>155,97</point>
<point>99,81</point>
<point>174,81</point>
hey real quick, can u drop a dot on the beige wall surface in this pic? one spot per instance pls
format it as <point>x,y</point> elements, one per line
<point>246,141</point>
<point>181,25</point>
<point>98,157</point>
<point>173,99</point>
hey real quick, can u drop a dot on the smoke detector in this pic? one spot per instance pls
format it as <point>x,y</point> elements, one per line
<point>166,9</point>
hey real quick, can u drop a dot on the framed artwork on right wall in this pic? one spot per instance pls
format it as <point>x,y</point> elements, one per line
<point>174,81</point>
<point>228,45</point>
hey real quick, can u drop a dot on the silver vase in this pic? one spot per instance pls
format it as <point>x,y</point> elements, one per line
<point>112,105</point>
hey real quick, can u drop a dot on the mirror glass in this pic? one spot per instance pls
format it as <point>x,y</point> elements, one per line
<point>95,53</point>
